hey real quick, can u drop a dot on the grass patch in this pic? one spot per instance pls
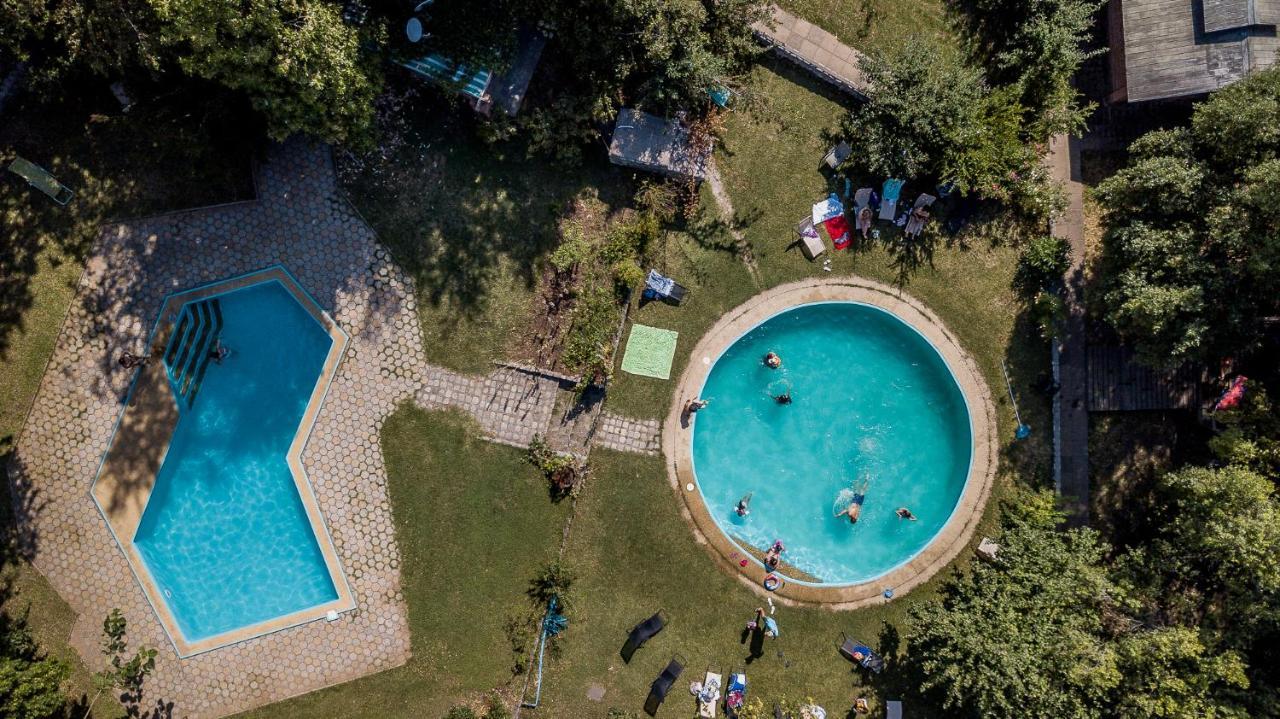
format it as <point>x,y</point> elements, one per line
<point>471,223</point>
<point>474,524</point>
<point>873,24</point>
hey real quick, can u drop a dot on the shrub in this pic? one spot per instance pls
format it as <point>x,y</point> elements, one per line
<point>1041,265</point>
<point>461,712</point>
<point>564,471</point>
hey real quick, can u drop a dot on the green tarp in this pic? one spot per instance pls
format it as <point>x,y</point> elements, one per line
<point>650,351</point>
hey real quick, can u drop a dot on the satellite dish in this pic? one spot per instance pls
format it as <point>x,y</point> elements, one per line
<point>413,29</point>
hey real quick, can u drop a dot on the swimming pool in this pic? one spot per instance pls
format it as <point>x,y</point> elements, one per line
<point>872,400</point>
<point>230,542</point>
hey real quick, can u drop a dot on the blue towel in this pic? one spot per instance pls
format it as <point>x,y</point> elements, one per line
<point>892,188</point>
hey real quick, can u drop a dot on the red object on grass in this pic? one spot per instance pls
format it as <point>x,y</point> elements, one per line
<point>838,229</point>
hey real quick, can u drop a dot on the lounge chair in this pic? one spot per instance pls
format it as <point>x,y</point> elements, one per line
<point>662,685</point>
<point>39,178</point>
<point>916,224</point>
<point>860,654</point>
<point>893,710</point>
<point>709,697</point>
<point>889,198</point>
<point>661,287</point>
<point>837,155</point>
<point>643,632</point>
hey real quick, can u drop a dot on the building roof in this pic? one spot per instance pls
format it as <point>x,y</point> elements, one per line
<point>1176,48</point>
<point>648,142</point>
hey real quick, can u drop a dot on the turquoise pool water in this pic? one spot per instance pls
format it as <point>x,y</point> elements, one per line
<point>224,534</point>
<point>872,400</point>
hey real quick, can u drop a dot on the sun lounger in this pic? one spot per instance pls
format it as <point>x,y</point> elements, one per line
<point>826,209</point>
<point>837,155</point>
<point>893,710</point>
<point>643,632</point>
<point>709,697</point>
<point>889,198</point>
<point>660,287</point>
<point>39,178</point>
<point>662,685</point>
<point>861,199</point>
<point>861,654</point>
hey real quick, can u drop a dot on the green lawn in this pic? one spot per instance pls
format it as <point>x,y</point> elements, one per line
<point>873,24</point>
<point>471,222</point>
<point>471,547</point>
<point>149,161</point>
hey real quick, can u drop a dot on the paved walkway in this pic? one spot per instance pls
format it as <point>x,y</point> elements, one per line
<point>624,434</point>
<point>1070,351</point>
<point>814,49</point>
<point>300,221</point>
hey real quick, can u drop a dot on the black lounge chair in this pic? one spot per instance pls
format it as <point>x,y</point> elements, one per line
<point>850,649</point>
<point>643,632</point>
<point>660,287</point>
<point>658,690</point>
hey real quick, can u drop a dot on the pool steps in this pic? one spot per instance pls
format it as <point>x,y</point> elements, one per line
<point>186,359</point>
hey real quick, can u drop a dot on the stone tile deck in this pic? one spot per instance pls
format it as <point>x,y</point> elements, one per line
<point>814,49</point>
<point>300,221</point>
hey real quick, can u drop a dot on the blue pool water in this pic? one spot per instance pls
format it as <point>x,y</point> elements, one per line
<point>872,400</point>
<point>224,534</point>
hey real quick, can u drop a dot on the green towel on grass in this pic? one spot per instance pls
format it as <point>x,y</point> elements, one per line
<point>650,351</point>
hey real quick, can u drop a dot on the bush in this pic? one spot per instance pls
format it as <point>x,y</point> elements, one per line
<point>1041,266</point>
<point>553,580</point>
<point>461,712</point>
<point>564,471</point>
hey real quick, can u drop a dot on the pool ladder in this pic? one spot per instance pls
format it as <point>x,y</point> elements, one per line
<point>190,347</point>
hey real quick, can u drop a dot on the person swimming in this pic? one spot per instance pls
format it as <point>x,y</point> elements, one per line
<point>743,508</point>
<point>772,360</point>
<point>774,556</point>
<point>784,398</point>
<point>849,502</point>
<point>904,513</point>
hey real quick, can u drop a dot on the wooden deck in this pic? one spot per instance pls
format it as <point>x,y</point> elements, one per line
<point>1119,383</point>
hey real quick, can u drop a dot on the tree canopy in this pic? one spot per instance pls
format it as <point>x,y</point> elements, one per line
<point>1191,260</point>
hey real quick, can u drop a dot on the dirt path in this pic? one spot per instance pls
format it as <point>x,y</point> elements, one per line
<point>728,214</point>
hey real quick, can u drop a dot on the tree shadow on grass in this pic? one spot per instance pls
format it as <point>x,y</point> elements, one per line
<point>172,150</point>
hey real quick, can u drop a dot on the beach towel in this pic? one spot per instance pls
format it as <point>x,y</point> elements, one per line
<point>650,351</point>
<point>826,209</point>
<point>838,229</point>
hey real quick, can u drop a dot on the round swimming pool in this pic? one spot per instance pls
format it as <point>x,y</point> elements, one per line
<point>875,411</point>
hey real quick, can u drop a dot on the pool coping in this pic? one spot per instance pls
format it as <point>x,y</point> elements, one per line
<point>150,392</point>
<point>954,535</point>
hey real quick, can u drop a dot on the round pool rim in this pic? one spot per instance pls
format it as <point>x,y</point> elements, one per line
<point>956,532</point>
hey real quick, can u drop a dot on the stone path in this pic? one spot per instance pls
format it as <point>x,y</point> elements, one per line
<point>299,221</point>
<point>1070,351</point>
<point>814,49</point>
<point>624,434</point>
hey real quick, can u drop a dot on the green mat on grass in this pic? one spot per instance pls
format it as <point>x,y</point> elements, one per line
<point>650,351</point>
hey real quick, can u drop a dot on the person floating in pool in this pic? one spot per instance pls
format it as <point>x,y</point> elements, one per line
<point>219,351</point>
<point>849,502</point>
<point>784,398</point>
<point>743,508</point>
<point>772,360</point>
<point>904,513</point>
<point>774,556</point>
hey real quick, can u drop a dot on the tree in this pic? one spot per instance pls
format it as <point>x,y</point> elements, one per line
<point>104,37</point>
<point>124,674</point>
<point>1035,47</point>
<point>299,64</point>
<point>31,685</point>
<point>1191,259</point>
<point>1170,674</point>
<point>1218,540</point>
<point>930,114</point>
<point>1022,637</point>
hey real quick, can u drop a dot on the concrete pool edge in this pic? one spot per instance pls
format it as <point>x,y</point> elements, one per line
<point>151,382</point>
<point>950,540</point>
